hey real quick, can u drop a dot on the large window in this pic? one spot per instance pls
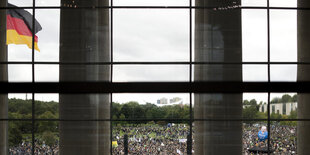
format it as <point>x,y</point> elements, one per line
<point>154,77</point>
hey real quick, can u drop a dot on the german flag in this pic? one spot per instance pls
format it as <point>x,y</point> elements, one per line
<point>19,27</point>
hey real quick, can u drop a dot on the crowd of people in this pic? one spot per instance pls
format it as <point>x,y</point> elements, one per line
<point>25,148</point>
<point>172,139</point>
<point>154,139</point>
<point>283,139</point>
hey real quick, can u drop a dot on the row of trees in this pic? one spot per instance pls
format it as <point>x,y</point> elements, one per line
<point>251,110</point>
<point>21,130</point>
<point>47,130</point>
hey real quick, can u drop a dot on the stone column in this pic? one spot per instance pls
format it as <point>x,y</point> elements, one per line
<point>303,74</point>
<point>218,39</point>
<point>3,78</point>
<point>84,37</point>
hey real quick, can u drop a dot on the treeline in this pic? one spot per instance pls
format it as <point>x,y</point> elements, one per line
<point>135,111</point>
<point>48,130</point>
<point>21,130</point>
<point>251,111</point>
<point>286,98</point>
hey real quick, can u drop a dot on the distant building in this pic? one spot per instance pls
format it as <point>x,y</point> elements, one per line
<point>162,101</point>
<point>175,99</point>
<point>279,108</point>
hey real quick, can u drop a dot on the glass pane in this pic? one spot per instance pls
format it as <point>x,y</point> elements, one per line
<point>150,138</point>
<point>20,137</point>
<point>23,3</point>
<point>252,143</point>
<point>255,73</point>
<point>47,137</point>
<point>283,137</point>
<point>129,73</point>
<point>82,3</point>
<point>49,36</point>
<point>150,106</point>
<point>254,106</point>
<point>283,73</point>
<point>147,36</point>
<point>151,3</point>
<point>254,35</point>
<point>20,106</point>
<point>46,73</point>
<point>283,35</point>
<point>214,72</point>
<point>47,2</point>
<point>47,106</point>
<point>20,73</point>
<point>260,3</point>
<point>19,36</point>
<point>285,106</point>
<point>283,3</point>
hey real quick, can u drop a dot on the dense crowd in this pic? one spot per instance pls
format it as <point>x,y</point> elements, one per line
<point>25,148</point>
<point>283,139</point>
<point>155,139</point>
<point>171,139</point>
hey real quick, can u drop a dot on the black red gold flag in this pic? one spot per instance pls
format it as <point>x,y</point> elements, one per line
<point>20,27</point>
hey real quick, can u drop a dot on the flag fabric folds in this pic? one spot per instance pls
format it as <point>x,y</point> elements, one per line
<point>20,27</point>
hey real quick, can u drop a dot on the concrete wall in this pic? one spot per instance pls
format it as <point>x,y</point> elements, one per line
<point>84,37</point>
<point>303,74</point>
<point>3,77</point>
<point>218,39</point>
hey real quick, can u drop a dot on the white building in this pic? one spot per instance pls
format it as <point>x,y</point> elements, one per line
<point>279,108</point>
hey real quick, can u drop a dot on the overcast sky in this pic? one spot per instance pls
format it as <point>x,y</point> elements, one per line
<point>163,35</point>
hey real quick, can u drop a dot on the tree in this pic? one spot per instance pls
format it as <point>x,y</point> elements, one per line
<point>49,138</point>
<point>286,98</point>
<point>276,100</point>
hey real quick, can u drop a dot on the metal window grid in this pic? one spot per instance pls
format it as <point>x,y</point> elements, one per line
<point>153,87</point>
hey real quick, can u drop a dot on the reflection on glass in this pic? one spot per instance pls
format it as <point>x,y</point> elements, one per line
<point>20,137</point>
<point>150,138</point>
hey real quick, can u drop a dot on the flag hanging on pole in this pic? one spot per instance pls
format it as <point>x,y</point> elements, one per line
<point>20,27</point>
